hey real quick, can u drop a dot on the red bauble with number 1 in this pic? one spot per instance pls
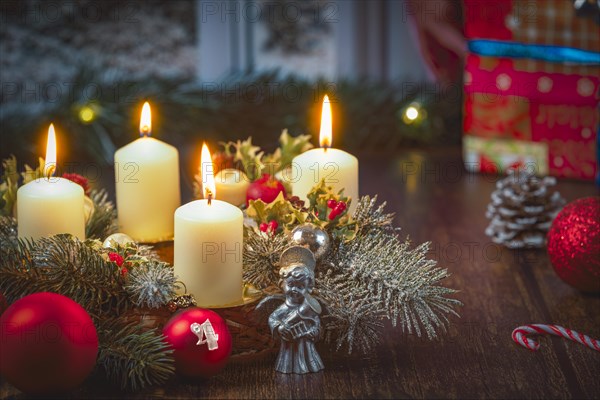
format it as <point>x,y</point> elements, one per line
<point>200,340</point>
<point>48,344</point>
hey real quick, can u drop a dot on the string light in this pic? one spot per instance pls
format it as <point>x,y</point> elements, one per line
<point>87,114</point>
<point>413,114</point>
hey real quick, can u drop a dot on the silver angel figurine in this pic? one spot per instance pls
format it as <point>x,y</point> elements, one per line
<point>296,322</point>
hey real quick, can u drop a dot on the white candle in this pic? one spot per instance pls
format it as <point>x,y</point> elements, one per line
<point>49,206</point>
<point>232,185</point>
<point>208,245</point>
<point>338,168</point>
<point>147,186</point>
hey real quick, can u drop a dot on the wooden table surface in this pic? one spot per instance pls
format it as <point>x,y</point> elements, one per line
<point>435,200</point>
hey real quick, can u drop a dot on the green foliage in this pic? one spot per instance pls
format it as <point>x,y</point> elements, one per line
<point>280,210</point>
<point>367,115</point>
<point>341,227</point>
<point>129,356</point>
<point>249,155</point>
<point>368,276</point>
<point>289,214</point>
<point>62,265</point>
<point>31,174</point>
<point>103,219</point>
<point>255,162</point>
<point>9,184</point>
<point>289,147</point>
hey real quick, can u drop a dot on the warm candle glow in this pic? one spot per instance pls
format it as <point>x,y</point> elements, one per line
<point>50,162</point>
<point>207,174</point>
<point>325,135</point>
<point>146,120</point>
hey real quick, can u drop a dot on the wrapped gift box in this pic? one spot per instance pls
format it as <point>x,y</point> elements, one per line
<point>530,98</point>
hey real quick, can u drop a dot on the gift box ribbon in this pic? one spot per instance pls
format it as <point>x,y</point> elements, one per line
<point>555,54</point>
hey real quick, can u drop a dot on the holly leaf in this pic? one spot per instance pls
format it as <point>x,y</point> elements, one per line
<point>9,185</point>
<point>249,155</point>
<point>280,210</point>
<point>341,226</point>
<point>291,146</point>
<point>31,174</point>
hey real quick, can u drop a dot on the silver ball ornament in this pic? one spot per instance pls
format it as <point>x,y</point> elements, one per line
<point>119,238</point>
<point>313,238</point>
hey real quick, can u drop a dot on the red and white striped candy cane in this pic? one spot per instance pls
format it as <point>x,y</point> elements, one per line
<point>519,336</point>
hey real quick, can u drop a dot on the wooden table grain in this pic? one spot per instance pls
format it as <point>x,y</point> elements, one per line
<point>436,200</point>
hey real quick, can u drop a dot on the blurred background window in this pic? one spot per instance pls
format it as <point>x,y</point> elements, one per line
<point>228,69</point>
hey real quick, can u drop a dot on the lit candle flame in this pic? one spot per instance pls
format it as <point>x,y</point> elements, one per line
<point>325,135</point>
<point>50,161</point>
<point>207,174</point>
<point>146,120</point>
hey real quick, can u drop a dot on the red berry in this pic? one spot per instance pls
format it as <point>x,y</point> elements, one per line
<point>116,258</point>
<point>263,227</point>
<point>331,203</point>
<point>341,206</point>
<point>273,225</point>
<point>334,213</point>
<point>124,272</point>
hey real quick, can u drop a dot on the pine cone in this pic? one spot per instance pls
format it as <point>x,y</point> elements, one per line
<point>522,209</point>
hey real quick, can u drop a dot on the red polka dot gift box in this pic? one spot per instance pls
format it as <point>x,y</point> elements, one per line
<point>531,87</point>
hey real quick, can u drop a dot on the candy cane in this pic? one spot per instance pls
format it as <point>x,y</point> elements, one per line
<point>519,336</point>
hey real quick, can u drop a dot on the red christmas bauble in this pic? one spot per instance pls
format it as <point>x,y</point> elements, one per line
<point>48,344</point>
<point>201,342</point>
<point>3,303</point>
<point>574,244</point>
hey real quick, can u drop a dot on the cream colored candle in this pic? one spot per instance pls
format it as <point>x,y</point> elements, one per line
<point>49,206</point>
<point>232,185</point>
<point>147,185</point>
<point>208,245</point>
<point>338,168</point>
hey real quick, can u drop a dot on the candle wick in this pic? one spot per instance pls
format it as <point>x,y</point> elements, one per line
<point>50,171</point>
<point>145,131</point>
<point>209,196</point>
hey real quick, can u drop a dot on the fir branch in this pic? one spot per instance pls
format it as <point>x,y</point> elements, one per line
<point>131,357</point>
<point>102,221</point>
<point>261,257</point>
<point>370,218</point>
<point>60,264</point>
<point>75,269</point>
<point>151,284</point>
<point>402,278</point>
<point>369,275</point>
<point>8,233</point>
<point>18,275</point>
<point>353,316</point>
